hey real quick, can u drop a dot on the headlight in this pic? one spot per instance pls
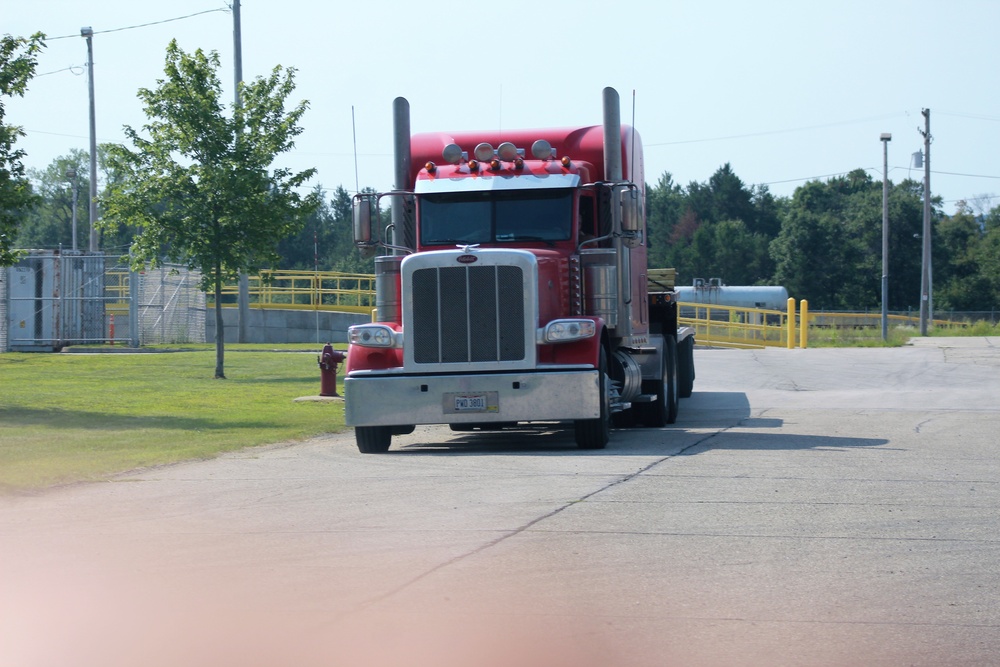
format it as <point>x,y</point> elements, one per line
<point>371,335</point>
<point>564,331</point>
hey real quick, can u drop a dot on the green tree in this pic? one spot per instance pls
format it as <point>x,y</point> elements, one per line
<point>716,229</point>
<point>739,255</point>
<point>50,223</point>
<point>327,238</point>
<point>301,251</point>
<point>18,58</point>
<point>959,283</point>
<point>810,252</point>
<point>343,255</point>
<point>906,215</point>
<point>987,255</point>
<point>829,250</point>
<point>198,189</point>
<point>730,199</point>
<point>664,207</point>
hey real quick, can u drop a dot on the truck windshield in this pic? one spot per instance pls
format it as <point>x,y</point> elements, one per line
<point>490,217</point>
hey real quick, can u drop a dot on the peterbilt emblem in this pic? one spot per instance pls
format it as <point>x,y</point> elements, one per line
<point>467,259</point>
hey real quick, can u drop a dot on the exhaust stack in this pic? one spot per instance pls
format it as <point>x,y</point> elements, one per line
<point>613,173</point>
<point>403,233</point>
<point>612,136</point>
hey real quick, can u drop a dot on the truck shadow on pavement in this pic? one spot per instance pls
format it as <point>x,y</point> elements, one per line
<point>707,420</point>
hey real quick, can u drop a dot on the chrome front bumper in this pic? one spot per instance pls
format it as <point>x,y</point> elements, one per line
<point>389,400</point>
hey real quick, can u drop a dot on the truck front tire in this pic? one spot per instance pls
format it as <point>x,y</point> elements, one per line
<point>595,433</point>
<point>373,439</point>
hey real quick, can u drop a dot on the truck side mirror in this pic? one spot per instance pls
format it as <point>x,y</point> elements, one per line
<point>362,214</point>
<point>631,210</point>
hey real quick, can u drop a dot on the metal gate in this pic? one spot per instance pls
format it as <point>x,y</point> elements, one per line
<point>51,300</point>
<point>171,305</point>
<point>57,299</point>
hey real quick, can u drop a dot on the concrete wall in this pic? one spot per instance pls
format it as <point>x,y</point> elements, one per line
<point>285,326</point>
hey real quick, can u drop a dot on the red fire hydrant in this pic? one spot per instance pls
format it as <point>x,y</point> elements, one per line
<point>328,370</point>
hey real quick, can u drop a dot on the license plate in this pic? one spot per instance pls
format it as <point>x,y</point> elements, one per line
<point>472,402</point>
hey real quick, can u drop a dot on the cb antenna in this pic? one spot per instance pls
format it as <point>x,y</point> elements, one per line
<point>632,166</point>
<point>354,133</point>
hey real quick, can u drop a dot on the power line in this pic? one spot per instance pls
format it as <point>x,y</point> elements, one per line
<point>772,132</point>
<point>970,115</point>
<point>141,25</point>
<point>71,68</point>
<point>952,173</point>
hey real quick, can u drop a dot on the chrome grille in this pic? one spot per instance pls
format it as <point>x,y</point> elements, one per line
<point>464,314</point>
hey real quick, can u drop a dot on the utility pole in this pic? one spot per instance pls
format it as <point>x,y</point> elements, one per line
<point>886,138</point>
<point>926,288</point>
<point>243,305</point>
<point>88,32</point>
<point>72,176</point>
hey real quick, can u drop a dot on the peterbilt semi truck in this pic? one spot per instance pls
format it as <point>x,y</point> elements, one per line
<point>512,287</point>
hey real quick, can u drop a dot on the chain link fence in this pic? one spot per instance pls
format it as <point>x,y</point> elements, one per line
<point>171,307</point>
<point>50,300</point>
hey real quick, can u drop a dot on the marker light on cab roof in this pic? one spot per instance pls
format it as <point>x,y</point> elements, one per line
<point>507,151</point>
<point>452,154</point>
<point>541,150</point>
<point>483,152</point>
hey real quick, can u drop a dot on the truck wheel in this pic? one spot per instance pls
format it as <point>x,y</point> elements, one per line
<point>670,380</point>
<point>685,368</point>
<point>595,433</point>
<point>373,439</point>
<point>663,410</point>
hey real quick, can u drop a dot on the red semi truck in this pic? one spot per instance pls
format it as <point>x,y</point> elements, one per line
<point>516,289</point>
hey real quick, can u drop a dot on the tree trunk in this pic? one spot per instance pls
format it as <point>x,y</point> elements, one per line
<point>220,329</point>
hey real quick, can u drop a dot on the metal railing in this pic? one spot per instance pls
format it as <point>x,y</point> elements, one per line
<point>306,290</point>
<point>730,326</point>
<point>838,320</point>
<point>718,325</point>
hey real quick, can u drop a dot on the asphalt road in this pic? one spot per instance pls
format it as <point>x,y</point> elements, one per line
<point>810,507</point>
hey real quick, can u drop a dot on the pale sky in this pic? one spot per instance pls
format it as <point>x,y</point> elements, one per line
<point>785,91</point>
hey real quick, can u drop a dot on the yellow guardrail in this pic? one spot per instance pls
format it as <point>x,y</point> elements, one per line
<point>307,290</point>
<point>729,326</point>
<point>724,326</point>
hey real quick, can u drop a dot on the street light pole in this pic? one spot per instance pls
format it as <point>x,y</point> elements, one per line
<point>88,32</point>
<point>885,138</point>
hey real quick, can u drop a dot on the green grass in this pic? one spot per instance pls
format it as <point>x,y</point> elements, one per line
<point>980,328</point>
<point>865,337</point>
<point>79,417</point>
<point>897,336</point>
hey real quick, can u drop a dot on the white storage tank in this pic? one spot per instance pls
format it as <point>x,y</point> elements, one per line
<point>714,292</point>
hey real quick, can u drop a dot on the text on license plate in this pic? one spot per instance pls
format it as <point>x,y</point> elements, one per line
<point>471,402</point>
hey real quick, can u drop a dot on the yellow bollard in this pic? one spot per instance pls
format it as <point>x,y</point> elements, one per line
<point>791,323</point>
<point>804,325</point>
